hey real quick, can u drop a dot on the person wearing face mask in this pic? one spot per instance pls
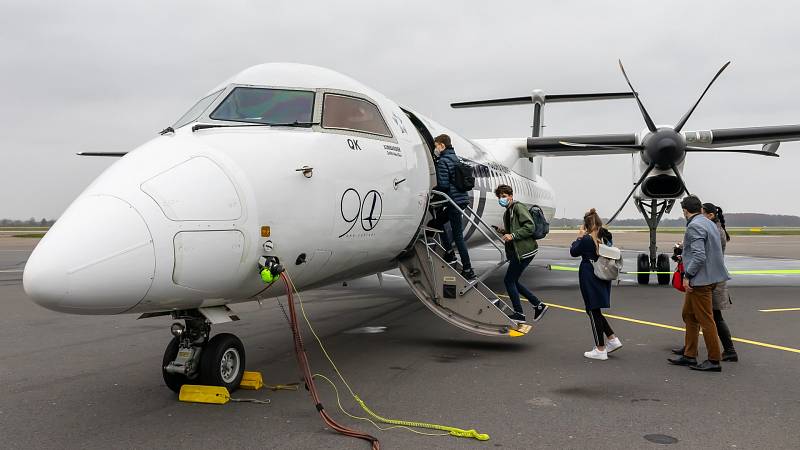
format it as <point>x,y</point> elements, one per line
<point>521,248</point>
<point>445,175</point>
<point>704,268</point>
<point>720,299</point>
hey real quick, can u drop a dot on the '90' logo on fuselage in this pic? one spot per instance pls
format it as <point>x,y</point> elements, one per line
<point>367,210</point>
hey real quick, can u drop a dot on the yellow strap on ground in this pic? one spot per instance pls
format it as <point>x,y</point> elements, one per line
<point>366,419</point>
<point>452,431</point>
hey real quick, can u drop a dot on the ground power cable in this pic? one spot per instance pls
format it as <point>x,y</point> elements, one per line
<point>305,369</point>
<point>451,431</point>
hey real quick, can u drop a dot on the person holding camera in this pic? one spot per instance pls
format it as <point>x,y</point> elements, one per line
<point>720,298</point>
<point>704,268</point>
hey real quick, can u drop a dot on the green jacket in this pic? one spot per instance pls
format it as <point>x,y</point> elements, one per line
<point>518,222</point>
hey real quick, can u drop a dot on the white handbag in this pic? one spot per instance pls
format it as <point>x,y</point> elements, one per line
<point>608,264</point>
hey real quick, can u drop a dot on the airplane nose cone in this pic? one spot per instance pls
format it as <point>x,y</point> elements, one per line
<point>98,258</point>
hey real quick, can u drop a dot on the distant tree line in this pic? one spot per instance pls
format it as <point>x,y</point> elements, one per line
<point>731,219</point>
<point>32,222</point>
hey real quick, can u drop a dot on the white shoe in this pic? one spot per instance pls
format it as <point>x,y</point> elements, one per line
<point>613,345</point>
<point>596,354</point>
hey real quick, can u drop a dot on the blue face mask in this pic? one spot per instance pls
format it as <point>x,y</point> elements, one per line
<point>503,202</point>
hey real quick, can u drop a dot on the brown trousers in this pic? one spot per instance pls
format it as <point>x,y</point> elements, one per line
<point>698,314</point>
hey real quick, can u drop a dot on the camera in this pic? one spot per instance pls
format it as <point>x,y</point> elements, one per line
<point>677,252</point>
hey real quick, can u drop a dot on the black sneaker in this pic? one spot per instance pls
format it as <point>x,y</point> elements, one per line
<point>450,257</point>
<point>469,274</point>
<point>519,317</point>
<point>539,311</point>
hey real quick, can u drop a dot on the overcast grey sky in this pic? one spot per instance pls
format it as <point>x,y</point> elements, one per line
<point>99,75</point>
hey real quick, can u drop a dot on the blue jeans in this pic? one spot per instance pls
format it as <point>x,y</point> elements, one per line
<point>513,286</point>
<point>457,227</point>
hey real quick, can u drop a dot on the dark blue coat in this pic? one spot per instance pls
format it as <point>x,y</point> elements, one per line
<point>596,292</point>
<point>446,174</point>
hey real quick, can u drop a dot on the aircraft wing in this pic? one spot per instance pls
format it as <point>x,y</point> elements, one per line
<point>715,140</point>
<point>596,144</point>
<point>730,137</point>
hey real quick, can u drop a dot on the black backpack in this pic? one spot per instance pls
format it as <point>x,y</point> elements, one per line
<point>464,178</point>
<point>540,225</point>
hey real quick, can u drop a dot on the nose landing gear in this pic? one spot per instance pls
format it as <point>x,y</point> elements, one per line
<point>192,358</point>
<point>659,263</point>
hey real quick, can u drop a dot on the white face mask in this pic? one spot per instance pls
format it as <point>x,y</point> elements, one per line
<point>436,151</point>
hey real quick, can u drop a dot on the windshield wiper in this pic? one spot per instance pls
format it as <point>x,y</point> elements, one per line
<point>203,126</point>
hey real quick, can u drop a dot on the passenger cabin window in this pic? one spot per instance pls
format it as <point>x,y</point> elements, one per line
<point>350,113</point>
<point>196,110</point>
<point>267,106</point>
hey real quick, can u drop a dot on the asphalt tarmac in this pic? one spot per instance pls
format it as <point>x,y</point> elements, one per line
<point>94,381</point>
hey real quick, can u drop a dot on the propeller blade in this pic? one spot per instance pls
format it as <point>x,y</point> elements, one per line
<point>650,125</point>
<point>636,186</point>
<point>685,117</point>
<point>720,150</point>
<point>680,178</point>
<point>632,147</point>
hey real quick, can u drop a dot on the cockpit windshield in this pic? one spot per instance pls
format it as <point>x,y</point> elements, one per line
<point>196,110</point>
<point>267,106</point>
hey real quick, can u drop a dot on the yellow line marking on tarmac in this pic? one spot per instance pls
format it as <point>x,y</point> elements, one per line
<point>779,310</point>
<point>670,327</point>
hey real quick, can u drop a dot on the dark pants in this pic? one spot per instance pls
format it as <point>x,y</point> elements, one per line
<point>514,287</point>
<point>723,331</point>
<point>452,215</point>
<point>600,327</point>
<point>697,314</point>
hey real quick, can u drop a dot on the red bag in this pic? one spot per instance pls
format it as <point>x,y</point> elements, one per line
<point>677,278</point>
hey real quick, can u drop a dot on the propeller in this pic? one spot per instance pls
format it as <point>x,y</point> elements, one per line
<point>685,117</point>
<point>664,148</point>
<point>650,125</point>
<point>636,186</point>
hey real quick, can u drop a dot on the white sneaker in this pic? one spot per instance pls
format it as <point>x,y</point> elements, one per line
<point>596,354</point>
<point>613,345</point>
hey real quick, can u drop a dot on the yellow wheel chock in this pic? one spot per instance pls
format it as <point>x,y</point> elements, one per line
<point>252,381</point>
<point>204,394</point>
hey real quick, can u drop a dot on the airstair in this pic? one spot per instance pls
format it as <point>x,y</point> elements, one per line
<point>467,304</point>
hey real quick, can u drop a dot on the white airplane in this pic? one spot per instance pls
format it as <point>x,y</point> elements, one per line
<point>304,167</point>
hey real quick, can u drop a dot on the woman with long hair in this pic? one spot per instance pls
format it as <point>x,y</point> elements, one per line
<point>596,292</point>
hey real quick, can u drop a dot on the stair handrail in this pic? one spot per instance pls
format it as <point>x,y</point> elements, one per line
<point>493,241</point>
<point>466,216</point>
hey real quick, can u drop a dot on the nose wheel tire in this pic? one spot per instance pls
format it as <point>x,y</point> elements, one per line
<point>173,381</point>
<point>643,269</point>
<point>663,269</point>
<point>222,361</point>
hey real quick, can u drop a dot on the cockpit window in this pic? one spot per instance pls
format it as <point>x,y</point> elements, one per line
<point>268,106</point>
<point>351,113</point>
<point>195,111</point>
